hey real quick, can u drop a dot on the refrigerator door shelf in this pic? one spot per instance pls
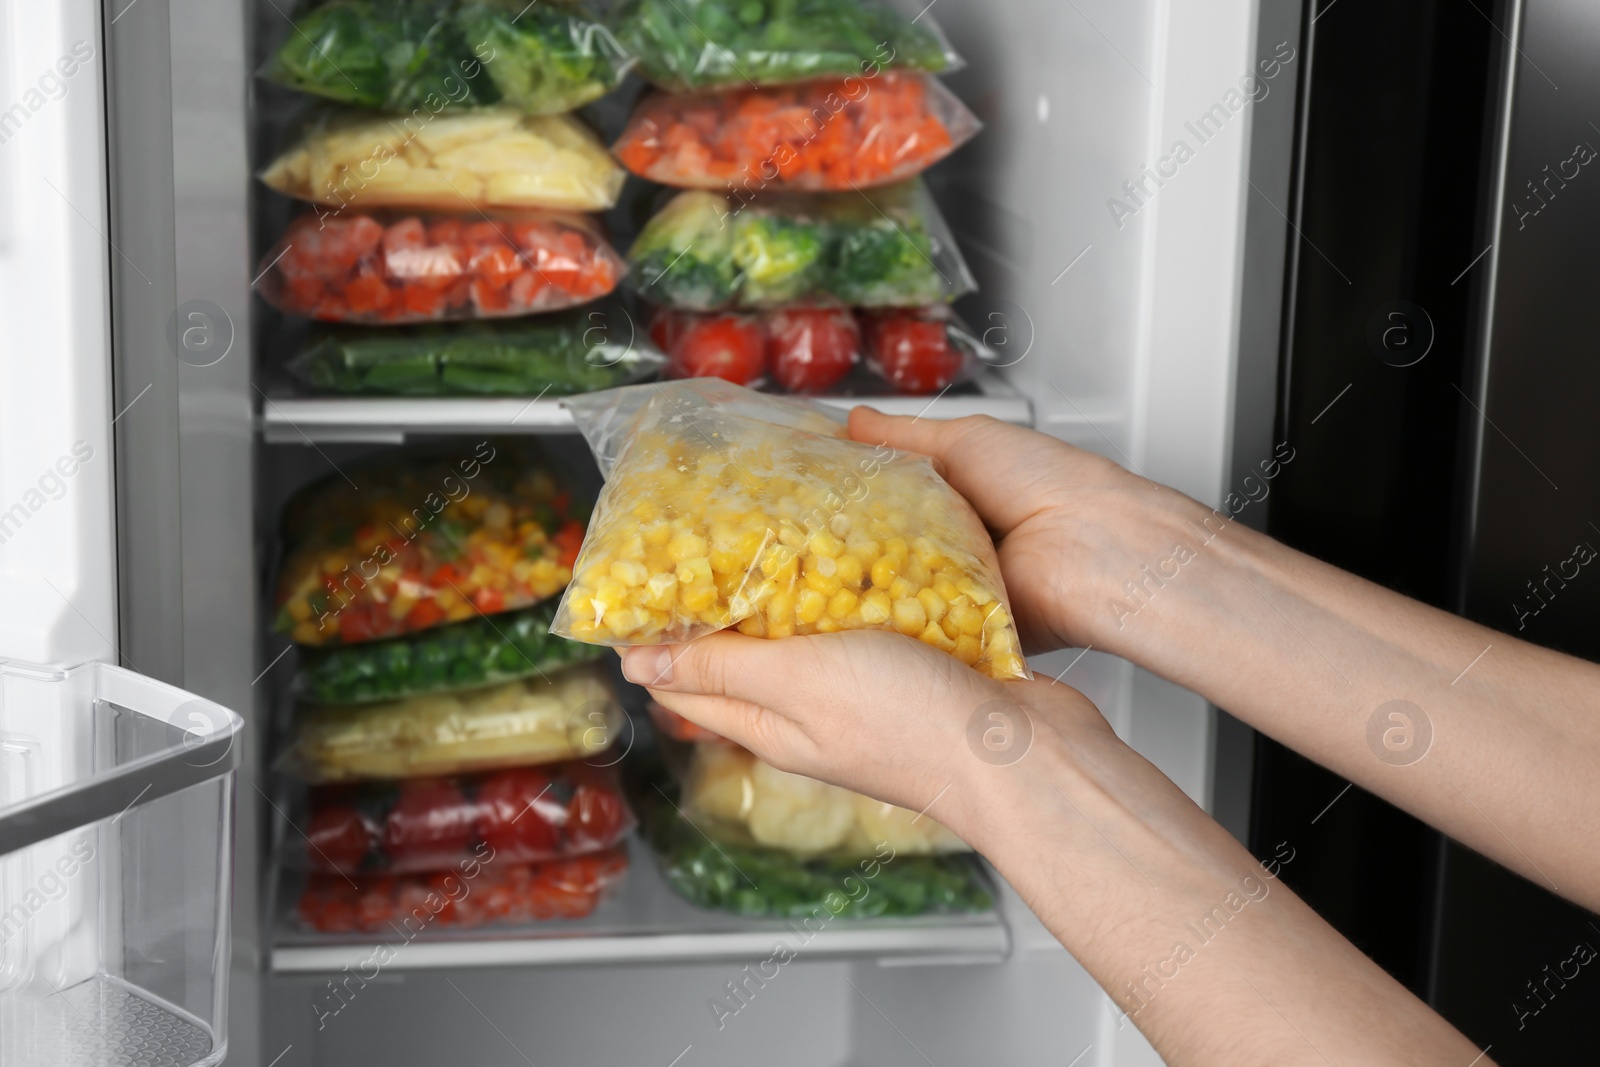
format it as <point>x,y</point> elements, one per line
<point>116,822</point>
<point>390,420</point>
<point>644,922</point>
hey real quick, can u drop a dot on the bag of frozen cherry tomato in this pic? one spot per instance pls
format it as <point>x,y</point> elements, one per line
<point>724,507</point>
<point>370,267</point>
<point>411,541</point>
<point>517,815</point>
<point>802,350</point>
<point>476,893</point>
<point>830,135</point>
<point>920,350</point>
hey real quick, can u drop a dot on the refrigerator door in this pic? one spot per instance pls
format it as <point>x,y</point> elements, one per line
<point>115,789</point>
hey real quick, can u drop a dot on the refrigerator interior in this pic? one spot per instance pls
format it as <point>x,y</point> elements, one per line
<point>1126,330</point>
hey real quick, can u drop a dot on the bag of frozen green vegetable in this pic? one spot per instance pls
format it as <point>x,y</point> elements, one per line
<point>713,44</point>
<point>560,355</point>
<point>424,56</point>
<point>480,651</point>
<point>751,879</point>
<point>883,247</point>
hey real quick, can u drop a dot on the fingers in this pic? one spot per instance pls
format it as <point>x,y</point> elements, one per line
<point>999,468</point>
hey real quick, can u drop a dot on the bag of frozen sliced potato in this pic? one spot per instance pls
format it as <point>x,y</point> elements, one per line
<point>724,507</point>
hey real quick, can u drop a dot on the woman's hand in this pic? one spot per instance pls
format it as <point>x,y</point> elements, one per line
<point>1069,525</point>
<point>872,711</point>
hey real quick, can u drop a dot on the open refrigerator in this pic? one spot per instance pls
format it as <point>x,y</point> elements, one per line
<point>1130,292</point>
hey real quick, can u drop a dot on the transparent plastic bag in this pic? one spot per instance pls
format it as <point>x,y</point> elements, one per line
<point>517,815</point>
<point>725,507</point>
<point>490,159</point>
<point>425,56</point>
<point>569,715</point>
<point>720,44</point>
<point>820,136</point>
<point>736,797</point>
<point>750,879</point>
<point>563,355</point>
<point>389,267</point>
<point>886,247</point>
<point>425,540</point>
<point>477,893</point>
<point>477,652</point>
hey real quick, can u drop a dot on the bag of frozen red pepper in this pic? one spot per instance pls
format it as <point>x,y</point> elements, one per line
<point>390,267</point>
<point>479,892</point>
<point>411,541</point>
<point>516,815</point>
<point>829,135</point>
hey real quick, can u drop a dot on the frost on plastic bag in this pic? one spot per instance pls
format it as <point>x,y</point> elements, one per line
<point>485,159</point>
<point>719,44</point>
<point>477,652</point>
<point>574,352</point>
<point>821,136</point>
<point>518,815</point>
<point>738,798</point>
<point>477,893</point>
<point>726,508</point>
<point>425,540</point>
<point>422,57</point>
<point>886,247</point>
<point>570,715</point>
<point>388,267</point>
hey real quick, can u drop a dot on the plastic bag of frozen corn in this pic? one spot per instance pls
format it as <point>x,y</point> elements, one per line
<point>724,507</point>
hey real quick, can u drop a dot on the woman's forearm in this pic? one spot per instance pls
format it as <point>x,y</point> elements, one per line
<point>1493,740</point>
<point>1198,945</point>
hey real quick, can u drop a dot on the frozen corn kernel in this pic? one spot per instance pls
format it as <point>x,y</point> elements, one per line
<point>661,591</point>
<point>851,570</point>
<point>826,584</point>
<point>687,546</point>
<point>825,544</point>
<point>884,571</point>
<point>876,607</point>
<point>932,635</point>
<point>902,589</point>
<point>630,572</point>
<point>908,616</point>
<point>810,607</point>
<point>842,603</point>
<point>933,604</point>
<point>968,649</point>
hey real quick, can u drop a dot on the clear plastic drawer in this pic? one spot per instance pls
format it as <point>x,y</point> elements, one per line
<point>116,827</point>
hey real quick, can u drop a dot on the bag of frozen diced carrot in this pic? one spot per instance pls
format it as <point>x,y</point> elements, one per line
<point>818,136</point>
<point>724,507</point>
<point>392,267</point>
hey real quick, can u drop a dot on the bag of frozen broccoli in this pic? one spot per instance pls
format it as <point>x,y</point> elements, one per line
<point>724,507</point>
<point>885,247</point>
<point>420,57</point>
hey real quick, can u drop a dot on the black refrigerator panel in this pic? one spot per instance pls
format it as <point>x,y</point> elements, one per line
<point>1438,381</point>
<point>1395,124</point>
<point>1506,958</point>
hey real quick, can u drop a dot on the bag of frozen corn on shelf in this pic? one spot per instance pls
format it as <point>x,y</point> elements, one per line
<point>724,507</point>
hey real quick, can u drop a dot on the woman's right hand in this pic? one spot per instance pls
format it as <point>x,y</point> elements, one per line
<point>1070,526</point>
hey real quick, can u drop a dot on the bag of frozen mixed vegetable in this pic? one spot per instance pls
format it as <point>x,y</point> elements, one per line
<point>562,355</point>
<point>477,652</point>
<point>390,267</point>
<point>724,507</point>
<point>426,56</point>
<point>516,815</point>
<point>819,136</point>
<point>751,879</point>
<point>740,799</point>
<point>569,715</point>
<point>719,44</point>
<point>484,159</point>
<point>884,247</point>
<point>476,893</point>
<point>424,541</point>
